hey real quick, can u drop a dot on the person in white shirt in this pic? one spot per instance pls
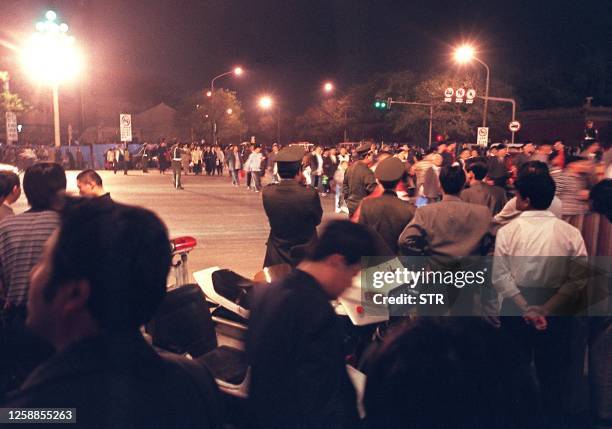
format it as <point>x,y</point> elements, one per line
<point>537,271</point>
<point>253,164</point>
<point>510,212</point>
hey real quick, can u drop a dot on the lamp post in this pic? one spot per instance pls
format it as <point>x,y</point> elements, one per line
<point>328,88</point>
<point>236,71</point>
<point>466,53</point>
<point>266,103</point>
<point>50,56</point>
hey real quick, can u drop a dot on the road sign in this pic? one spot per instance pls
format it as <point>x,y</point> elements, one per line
<point>448,94</point>
<point>469,96</point>
<point>483,136</point>
<point>125,124</point>
<point>11,127</point>
<point>459,94</point>
<point>514,126</point>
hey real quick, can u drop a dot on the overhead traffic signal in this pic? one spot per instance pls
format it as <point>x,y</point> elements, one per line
<point>382,104</point>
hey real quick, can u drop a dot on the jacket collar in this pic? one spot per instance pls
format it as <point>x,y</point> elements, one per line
<point>537,213</point>
<point>447,197</point>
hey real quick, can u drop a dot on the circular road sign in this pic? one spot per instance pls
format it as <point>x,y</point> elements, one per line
<point>471,94</point>
<point>449,92</point>
<point>514,126</point>
<point>460,93</point>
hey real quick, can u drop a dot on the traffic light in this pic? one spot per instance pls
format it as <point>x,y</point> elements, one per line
<point>382,104</point>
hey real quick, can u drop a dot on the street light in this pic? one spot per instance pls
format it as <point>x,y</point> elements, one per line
<point>236,71</point>
<point>464,54</point>
<point>50,56</point>
<point>229,111</point>
<point>328,87</point>
<point>266,102</point>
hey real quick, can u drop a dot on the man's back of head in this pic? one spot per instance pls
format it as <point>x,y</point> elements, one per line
<point>42,182</point>
<point>89,183</point>
<point>452,179</point>
<point>114,257</point>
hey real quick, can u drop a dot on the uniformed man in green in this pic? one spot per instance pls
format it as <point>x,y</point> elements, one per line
<point>387,214</point>
<point>359,180</point>
<point>293,210</point>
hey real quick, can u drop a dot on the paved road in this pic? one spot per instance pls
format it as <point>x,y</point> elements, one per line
<point>229,223</point>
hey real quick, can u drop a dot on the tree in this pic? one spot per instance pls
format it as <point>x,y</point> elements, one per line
<point>324,123</point>
<point>452,120</point>
<point>199,112</point>
<point>10,102</point>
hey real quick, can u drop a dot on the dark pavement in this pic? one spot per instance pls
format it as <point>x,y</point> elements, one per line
<point>229,223</point>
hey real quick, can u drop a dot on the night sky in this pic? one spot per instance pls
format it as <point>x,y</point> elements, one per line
<point>289,47</point>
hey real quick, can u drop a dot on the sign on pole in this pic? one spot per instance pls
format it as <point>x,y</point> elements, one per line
<point>125,124</point>
<point>483,136</point>
<point>11,127</point>
<point>459,94</point>
<point>514,126</point>
<point>448,94</point>
<point>469,96</point>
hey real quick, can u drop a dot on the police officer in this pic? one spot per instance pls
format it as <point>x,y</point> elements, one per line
<point>359,180</point>
<point>293,210</point>
<point>387,214</point>
<point>176,165</point>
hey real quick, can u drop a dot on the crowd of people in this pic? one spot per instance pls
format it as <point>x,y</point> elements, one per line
<point>81,276</point>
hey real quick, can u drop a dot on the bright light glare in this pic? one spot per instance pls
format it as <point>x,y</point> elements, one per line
<point>50,15</point>
<point>464,53</point>
<point>328,87</point>
<point>209,93</point>
<point>230,111</point>
<point>51,57</point>
<point>265,102</point>
<point>238,71</point>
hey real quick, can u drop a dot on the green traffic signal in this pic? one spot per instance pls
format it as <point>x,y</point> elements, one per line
<point>380,104</point>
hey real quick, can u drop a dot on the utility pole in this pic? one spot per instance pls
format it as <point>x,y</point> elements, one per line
<point>390,101</point>
<point>504,100</point>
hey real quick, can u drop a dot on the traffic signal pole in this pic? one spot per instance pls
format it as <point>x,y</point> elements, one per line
<point>418,103</point>
<point>504,100</point>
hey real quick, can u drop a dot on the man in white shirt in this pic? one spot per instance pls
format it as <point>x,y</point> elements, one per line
<point>537,271</point>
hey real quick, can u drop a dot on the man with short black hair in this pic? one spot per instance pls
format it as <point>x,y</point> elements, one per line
<point>22,236</point>
<point>88,298</point>
<point>451,227</point>
<point>294,343</point>
<point>535,273</point>
<point>479,192</point>
<point>90,185</point>
<point>10,191</point>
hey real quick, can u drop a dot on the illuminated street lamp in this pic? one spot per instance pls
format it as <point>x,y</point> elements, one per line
<point>466,53</point>
<point>50,56</point>
<point>266,103</point>
<point>328,87</point>
<point>236,71</point>
<point>229,111</point>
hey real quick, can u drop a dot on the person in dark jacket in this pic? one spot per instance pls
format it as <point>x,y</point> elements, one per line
<point>359,180</point>
<point>295,341</point>
<point>387,214</point>
<point>88,297</point>
<point>480,192</point>
<point>293,210</point>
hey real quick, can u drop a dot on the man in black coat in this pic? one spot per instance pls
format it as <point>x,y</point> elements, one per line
<point>480,192</point>
<point>359,180</point>
<point>293,210</point>
<point>387,214</point>
<point>101,277</point>
<point>295,340</point>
